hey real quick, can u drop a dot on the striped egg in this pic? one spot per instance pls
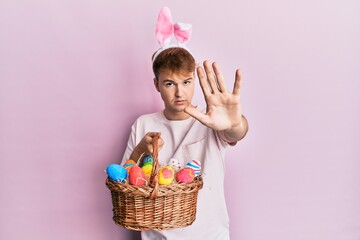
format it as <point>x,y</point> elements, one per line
<point>129,164</point>
<point>196,165</point>
<point>147,160</point>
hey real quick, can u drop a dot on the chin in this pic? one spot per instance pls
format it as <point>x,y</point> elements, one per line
<point>176,109</point>
<point>179,110</point>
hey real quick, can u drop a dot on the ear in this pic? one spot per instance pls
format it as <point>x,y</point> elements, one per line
<point>182,32</point>
<point>164,27</point>
<point>156,84</point>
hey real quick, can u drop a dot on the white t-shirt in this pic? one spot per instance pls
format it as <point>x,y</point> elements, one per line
<point>187,140</point>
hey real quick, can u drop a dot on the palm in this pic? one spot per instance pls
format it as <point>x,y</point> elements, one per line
<point>223,109</point>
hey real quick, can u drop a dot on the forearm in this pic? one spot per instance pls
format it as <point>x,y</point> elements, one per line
<point>236,133</point>
<point>136,153</point>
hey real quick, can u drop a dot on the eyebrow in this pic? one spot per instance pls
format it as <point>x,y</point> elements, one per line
<point>169,80</point>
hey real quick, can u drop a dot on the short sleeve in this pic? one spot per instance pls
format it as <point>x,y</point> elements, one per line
<point>130,144</point>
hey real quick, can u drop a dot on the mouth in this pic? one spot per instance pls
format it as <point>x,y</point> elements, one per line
<point>180,102</point>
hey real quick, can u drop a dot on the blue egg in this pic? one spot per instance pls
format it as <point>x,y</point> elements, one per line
<point>116,172</point>
<point>147,159</point>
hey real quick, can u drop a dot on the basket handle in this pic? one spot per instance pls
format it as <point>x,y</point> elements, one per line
<point>154,180</point>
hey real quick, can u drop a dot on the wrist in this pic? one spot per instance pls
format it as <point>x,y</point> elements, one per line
<point>136,154</point>
<point>237,132</point>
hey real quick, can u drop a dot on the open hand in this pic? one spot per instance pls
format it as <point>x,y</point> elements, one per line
<point>223,109</point>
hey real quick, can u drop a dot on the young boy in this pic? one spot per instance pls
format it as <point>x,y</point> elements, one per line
<point>188,134</point>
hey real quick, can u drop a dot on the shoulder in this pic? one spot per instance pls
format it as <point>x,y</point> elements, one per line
<point>149,117</point>
<point>148,120</point>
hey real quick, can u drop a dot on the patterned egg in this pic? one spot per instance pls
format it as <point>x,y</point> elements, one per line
<point>166,175</point>
<point>185,175</point>
<point>116,172</point>
<point>129,164</point>
<point>147,169</point>
<point>147,160</point>
<point>196,165</point>
<point>137,176</point>
<point>175,164</point>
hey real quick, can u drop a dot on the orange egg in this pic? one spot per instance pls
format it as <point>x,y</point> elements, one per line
<point>129,164</point>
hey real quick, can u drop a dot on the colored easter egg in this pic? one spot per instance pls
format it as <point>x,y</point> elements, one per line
<point>116,172</point>
<point>166,175</point>
<point>196,165</point>
<point>129,164</point>
<point>185,175</point>
<point>137,176</point>
<point>147,169</point>
<point>147,160</point>
<point>175,164</point>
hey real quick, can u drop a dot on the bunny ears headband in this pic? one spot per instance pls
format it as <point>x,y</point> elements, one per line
<point>165,28</point>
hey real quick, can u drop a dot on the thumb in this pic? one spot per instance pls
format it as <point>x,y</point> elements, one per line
<point>195,113</point>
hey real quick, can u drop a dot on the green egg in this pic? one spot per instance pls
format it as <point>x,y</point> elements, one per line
<point>147,159</point>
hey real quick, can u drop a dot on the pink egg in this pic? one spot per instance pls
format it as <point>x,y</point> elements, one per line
<point>185,175</point>
<point>137,176</point>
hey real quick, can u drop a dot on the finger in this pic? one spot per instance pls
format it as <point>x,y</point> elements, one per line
<point>160,143</point>
<point>237,83</point>
<point>210,77</point>
<point>203,82</point>
<point>150,149</point>
<point>145,145</point>
<point>153,134</point>
<point>149,140</point>
<point>198,115</point>
<point>219,78</point>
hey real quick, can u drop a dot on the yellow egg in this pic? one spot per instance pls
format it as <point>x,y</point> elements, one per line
<point>166,175</point>
<point>147,169</point>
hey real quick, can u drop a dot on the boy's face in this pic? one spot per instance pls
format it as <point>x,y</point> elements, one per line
<point>176,90</point>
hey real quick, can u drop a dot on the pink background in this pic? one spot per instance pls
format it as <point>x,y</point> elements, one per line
<point>75,75</point>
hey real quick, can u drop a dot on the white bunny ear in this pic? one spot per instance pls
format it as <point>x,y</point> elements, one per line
<point>182,32</point>
<point>164,27</point>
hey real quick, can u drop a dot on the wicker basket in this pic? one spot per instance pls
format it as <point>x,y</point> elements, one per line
<point>154,207</point>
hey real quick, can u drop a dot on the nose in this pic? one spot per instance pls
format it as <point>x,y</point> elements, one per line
<point>179,91</point>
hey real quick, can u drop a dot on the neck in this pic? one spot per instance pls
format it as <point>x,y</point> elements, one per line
<point>177,116</point>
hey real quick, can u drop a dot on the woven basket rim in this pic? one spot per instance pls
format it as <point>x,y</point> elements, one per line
<point>146,191</point>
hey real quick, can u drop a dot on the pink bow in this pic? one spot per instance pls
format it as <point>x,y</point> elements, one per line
<point>165,28</point>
